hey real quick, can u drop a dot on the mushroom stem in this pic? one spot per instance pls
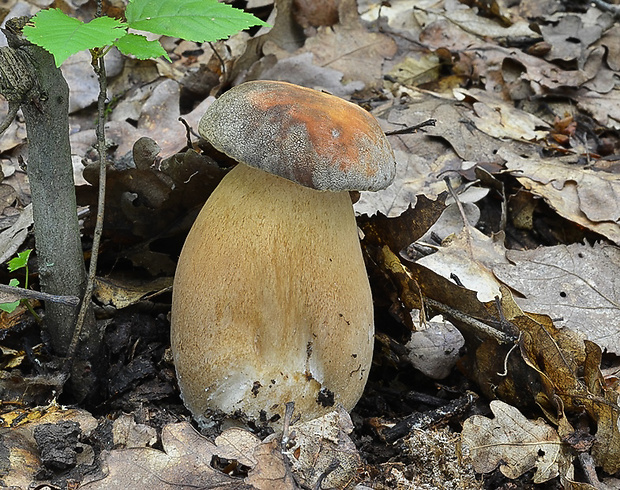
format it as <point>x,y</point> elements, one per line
<point>271,301</point>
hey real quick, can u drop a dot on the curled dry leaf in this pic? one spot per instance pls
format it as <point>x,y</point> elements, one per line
<point>271,471</point>
<point>238,444</point>
<point>570,379</point>
<point>435,349</point>
<point>127,433</point>
<point>584,196</point>
<point>501,119</point>
<point>185,461</point>
<point>573,34</point>
<point>123,293</point>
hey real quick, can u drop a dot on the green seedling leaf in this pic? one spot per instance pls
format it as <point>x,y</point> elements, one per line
<point>18,262</point>
<point>63,36</point>
<point>140,47</point>
<point>194,20</point>
<point>10,307</point>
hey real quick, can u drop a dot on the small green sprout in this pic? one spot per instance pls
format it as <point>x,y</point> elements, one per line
<point>16,263</point>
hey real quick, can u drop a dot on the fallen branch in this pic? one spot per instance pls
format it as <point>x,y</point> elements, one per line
<point>30,294</point>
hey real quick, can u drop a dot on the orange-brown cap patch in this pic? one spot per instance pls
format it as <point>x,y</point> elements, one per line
<point>313,138</point>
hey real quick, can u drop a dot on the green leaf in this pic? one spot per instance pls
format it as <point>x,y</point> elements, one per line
<point>18,262</point>
<point>140,47</point>
<point>194,20</point>
<point>10,307</point>
<point>63,36</point>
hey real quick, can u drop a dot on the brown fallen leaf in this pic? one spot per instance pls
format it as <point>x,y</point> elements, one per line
<point>573,34</point>
<point>434,348</point>
<point>469,255</point>
<point>238,444</point>
<point>501,119</point>
<point>320,450</point>
<point>122,293</point>
<point>14,236</point>
<point>353,50</point>
<point>271,471</point>
<point>300,69</point>
<point>576,283</point>
<point>587,197</point>
<point>15,134</point>
<point>185,462</point>
<point>605,108</point>
<point>559,356</point>
<point>514,444</point>
<point>127,433</point>
<point>414,72</point>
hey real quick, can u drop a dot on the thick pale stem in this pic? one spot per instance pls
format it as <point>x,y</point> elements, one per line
<point>271,301</point>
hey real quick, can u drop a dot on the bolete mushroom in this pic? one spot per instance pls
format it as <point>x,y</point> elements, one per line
<point>271,300</point>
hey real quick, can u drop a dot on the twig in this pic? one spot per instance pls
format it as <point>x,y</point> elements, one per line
<point>333,466</point>
<point>217,55</point>
<point>475,325</point>
<point>432,418</point>
<point>29,293</point>
<point>99,67</point>
<point>466,225</point>
<point>412,129</point>
<point>608,7</point>
<point>13,108</point>
<point>588,467</point>
<point>288,416</point>
<point>188,132</point>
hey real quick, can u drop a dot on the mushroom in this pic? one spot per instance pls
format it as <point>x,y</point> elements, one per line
<point>271,301</point>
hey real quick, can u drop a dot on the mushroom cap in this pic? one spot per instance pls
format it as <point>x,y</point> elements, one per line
<point>312,138</point>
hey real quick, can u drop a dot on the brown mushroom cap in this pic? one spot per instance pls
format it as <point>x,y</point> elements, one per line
<point>312,138</point>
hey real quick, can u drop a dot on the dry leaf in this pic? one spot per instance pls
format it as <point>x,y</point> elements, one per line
<point>414,72</point>
<point>576,283</point>
<point>605,108</point>
<point>559,356</point>
<point>127,433</point>
<point>351,50</point>
<point>301,70</point>
<point>470,256</point>
<point>184,463</point>
<point>572,34</point>
<point>237,444</point>
<point>515,444</point>
<point>13,237</point>
<point>435,348</point>
<point>271,471</point>
<point>322,448</point>
<point>587,197</point>
<point>501,119</point>
<point>123,293</point>
<point>469,20</point>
